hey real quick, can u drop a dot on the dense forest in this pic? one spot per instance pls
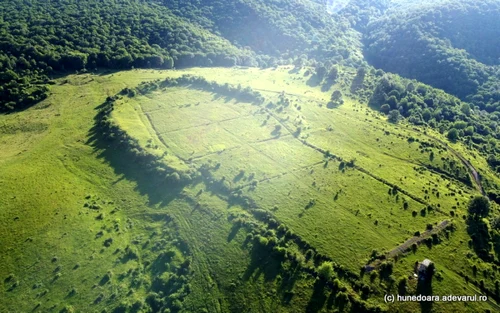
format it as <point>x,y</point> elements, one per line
<point>40,39</point>
<point>454,47</point>
<point>278,28</point>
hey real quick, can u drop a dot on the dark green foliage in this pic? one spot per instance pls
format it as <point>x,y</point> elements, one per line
<point>420,105</point>
<point>452,135</point>
<point>108,242</point>
<point>394,116</point>
<point>480,237</point>
<point>299,29</point>
<point>333,74</point>
<point>336,96</point>
<point>385,108</point>
<point>60,36</point>
<point>336,100</point>
<point>325,270</point>
<point>386,269</point>
<point>479,206</point>
<point>245,94</point>
<point>440,45</point>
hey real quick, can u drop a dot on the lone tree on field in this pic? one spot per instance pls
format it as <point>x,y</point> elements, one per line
<point>479,206</point>
<point>336,100</point>
<point>336,96</point>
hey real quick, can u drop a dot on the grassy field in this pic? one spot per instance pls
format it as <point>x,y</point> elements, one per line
<point>84,229</point>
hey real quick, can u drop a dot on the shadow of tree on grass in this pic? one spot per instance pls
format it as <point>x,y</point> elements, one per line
<point>126,166</point>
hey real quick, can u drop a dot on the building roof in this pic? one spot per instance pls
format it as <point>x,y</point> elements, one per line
<point>426,262</point>
<point>422,267</point>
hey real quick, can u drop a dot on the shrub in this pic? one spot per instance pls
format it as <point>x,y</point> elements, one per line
<point>452,135</point>
<point>325,270</point>
<point>385,108</point>
<point>263,241</point>
<point>386,269</point>
<point>176,305</point>
<point>137,306</point>
<point>122,307</point>
<point>10,278</point>
<point>108,242</point>
<point>68,309</point>
<point>309,254</point>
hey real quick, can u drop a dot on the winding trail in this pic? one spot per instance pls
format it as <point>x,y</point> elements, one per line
<point>476,178</point>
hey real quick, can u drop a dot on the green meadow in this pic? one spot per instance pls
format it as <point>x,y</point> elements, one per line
<point>86,229</point>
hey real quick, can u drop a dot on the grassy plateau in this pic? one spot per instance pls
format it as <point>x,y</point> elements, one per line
<point>278,190</point>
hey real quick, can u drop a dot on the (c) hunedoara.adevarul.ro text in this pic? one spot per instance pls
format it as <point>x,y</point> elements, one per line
<point>425,298</point>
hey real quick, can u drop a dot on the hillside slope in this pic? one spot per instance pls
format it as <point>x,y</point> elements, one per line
<point>277,28</point>
<point>451,45</point>
<point>216,156</point>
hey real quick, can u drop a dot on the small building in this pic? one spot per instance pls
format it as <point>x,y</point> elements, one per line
<point>422,268</point>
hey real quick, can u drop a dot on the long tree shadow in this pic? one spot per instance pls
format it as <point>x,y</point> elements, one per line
<point>480,237</point>
<point>358,80</point>
<point>263,262</point>
<point>318,298</point>
<point>126,165</point>
<point>314,81</point>
<point>288,279</point>
<point>327,85</point>
<point>268,262</point>
<point>234,231</point>
<point>424,287</point>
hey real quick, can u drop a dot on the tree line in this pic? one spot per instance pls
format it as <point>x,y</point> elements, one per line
<point>39,39</point>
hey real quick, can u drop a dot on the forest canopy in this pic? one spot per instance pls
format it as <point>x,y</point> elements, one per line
<point>43,38</point>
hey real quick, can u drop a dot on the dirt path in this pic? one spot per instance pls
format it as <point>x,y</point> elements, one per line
<point>476,178</point>
<point>472,170</point>
<point>406,246</point>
